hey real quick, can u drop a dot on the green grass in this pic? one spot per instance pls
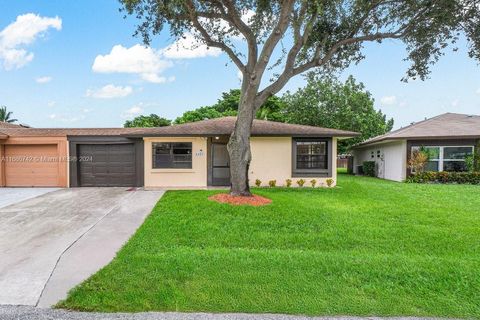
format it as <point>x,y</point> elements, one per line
<point>367,247</point>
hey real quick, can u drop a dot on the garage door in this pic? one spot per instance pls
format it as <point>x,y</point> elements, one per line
<point>106,165</point>
<point>31,165</point>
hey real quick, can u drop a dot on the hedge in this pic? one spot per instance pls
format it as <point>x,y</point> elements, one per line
<point>369,168</point>
<point>445,177</point>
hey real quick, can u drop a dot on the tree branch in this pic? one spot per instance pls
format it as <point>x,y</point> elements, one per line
<point>211,42</point>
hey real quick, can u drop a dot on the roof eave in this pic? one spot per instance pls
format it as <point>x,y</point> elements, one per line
<point>310,135</point>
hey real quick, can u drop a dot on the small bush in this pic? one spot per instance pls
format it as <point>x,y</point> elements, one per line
<point>272,183</point>
<point>369,168</point>
<point>329,182</point>
<point>445,177</point>
<point>313,182</point>
<point>300,182</point>
<point>258,183</point>
<point>288,183</point>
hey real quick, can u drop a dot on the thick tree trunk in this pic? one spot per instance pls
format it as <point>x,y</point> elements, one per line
<point>239,146</point>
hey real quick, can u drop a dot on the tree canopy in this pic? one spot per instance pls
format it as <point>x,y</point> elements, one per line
<point>280,39</point>
<point>228,104</point>
<point>152,120</point>
<point>6,116</point>
<point>332,104</point>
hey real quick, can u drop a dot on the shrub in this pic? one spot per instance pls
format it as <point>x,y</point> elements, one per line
<point>300,182</point>
<point>329,182</point>
<point>313,182</point>
<point>272,183</point>
<point>369,168</point>
<point>418,160</point>
<point>445,177</point>
<point>288,183</point>
<point>258,183</point>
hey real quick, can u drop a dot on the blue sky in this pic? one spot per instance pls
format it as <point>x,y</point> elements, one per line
<point>69,76</point>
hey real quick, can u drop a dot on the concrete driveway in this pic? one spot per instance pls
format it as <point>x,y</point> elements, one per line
<point>50,243</point>
<point>9,196</point>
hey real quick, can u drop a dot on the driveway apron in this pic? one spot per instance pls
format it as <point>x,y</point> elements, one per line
<point>35,234</point>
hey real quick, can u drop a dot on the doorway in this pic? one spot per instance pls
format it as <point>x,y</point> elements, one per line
<point>220,164</point>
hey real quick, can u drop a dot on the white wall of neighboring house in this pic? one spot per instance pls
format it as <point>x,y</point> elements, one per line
<point>390,159</point>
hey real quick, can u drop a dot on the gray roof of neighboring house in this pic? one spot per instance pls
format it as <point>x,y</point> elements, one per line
<point>225,126</point>
<point>444,126</point>
<point>211,127</point>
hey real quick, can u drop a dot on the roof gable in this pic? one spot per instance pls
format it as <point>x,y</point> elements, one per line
<point>447,125</point>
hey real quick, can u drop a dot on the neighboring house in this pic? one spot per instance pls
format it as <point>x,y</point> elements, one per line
<point>191,155</point>
<point>449,138</point>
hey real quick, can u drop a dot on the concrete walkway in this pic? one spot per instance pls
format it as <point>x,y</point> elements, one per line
<point>9,196</point>
<point>30,313</point>
<point>50,243</point>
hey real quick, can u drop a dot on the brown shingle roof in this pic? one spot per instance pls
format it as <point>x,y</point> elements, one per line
<point>444,126</point>
<point>225,126</point>
<point>62,132</point>
<point>212,127</point>
<point>9,125</point>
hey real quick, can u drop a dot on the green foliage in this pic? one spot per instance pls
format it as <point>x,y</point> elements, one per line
<point>288,183</point>
<point>6,116</point>
<point>470,162</point>
<point>370,247</point>
<point>272,183</point>
<point>152,120</point>
<point>227,105</point>
<point>369,168</point>
<point>476,159</point>
<point>329,182</point>
<point>445,177</point>
<point>313,182</point>
<point>258,182</point>
<point>301,182</point>
<point>330,103</point>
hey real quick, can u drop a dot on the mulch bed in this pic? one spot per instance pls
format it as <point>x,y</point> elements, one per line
<point>254,200</point>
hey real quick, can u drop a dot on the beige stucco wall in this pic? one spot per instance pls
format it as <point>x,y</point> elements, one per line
<point>392,163</point>
<point>272,160</point>
<point>184,178</point>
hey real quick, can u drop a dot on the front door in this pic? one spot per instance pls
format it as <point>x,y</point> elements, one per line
<point>220,165</point>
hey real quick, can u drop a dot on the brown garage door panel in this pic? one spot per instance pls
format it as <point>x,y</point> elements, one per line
<point>107,165</point>
<point>31,166</point>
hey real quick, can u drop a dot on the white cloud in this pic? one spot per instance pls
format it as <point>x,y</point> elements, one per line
<point>144,61</point>
<point>455,103</point>
<point>133,111</point>
<point>43,80</point>
<point>24,31</point>
<point>239,75</point>
<point>109,91</point>
<point>388,100</point>
<point>51,103</point>
<point>478,91</point>
<point>189,48</point>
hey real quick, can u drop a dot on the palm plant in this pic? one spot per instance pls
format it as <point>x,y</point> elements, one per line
<point>6,116</point>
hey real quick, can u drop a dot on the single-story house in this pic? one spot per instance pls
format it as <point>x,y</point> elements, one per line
<point>449,138</point>
<point>191,155</point>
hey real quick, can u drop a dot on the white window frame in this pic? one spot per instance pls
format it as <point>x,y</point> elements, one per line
<point>441,160</point>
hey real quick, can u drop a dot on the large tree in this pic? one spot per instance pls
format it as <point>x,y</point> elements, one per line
<point>332,104</point>
<point>6,116</point>
<point>228,104</point>
<point>152,120</point>
<point>284,38</point>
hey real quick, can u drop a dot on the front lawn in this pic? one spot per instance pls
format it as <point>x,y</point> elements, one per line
<point>367,247</point>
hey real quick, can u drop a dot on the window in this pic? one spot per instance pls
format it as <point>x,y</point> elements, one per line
<point>454,158</point>
<point>310,157</point>
<point>446,158</point>
<point>174,155</point>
